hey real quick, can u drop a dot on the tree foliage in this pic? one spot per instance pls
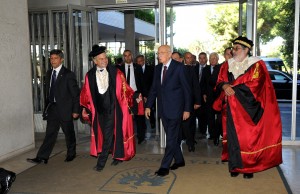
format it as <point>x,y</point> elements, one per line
<point>223,23</point>
<point>224,20</point>
<point>286,30</point>
<point>146,15</point>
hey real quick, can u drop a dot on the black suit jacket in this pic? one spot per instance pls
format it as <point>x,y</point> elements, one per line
<point>197,69</point>
<point>194,83</point>
<point>138,74</point>
<point>148,78</point>
<point>66,93</point>
<point>208,83</point>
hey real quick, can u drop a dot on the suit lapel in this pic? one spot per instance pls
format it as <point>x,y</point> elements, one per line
<point>112,74</point>
<point>92,82</point>
<point>60,74</point>
<point>170,69</point>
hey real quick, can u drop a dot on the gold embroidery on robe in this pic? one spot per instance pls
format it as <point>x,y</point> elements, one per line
<point>256,72</point>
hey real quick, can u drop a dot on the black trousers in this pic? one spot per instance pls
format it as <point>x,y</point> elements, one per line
<point>141,127</point>
<point>214,123</point>
<point>53,124</point>
<point>201,115</point>
<point>189,129</point>
<point>152,118</point>
<point>106,122</point>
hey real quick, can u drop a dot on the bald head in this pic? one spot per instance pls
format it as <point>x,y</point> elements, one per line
<point>164,54</point>
<point>188,58</point>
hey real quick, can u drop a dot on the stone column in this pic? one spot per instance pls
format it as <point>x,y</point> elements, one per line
<point>129,28</point>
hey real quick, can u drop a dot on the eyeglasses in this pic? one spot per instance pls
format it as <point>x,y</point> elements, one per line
<point>237,48</point>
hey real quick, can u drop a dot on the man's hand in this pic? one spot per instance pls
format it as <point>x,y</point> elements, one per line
<point>228,89</point>
<point>196,106</point>
<point>139,99</point>
<point>204,97</point>
<point>75,115</point>
<point>85,115</point>
<point>147,112</point>
<point>186,115</point>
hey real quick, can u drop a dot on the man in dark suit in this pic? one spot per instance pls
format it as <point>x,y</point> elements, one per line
<point>201,113</point>
<point>209,79</point>
<point>171,88</point>
<point>62,99</point>
<point>148,72</point>
<point>134,77</point>
<point>177,56</point>
<point>189,125</point>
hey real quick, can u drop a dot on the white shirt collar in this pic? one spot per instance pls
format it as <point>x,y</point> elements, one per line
<point>57,69</point>
<point>168,63</point>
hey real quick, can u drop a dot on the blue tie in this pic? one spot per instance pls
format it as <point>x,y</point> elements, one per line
<point>52,87</point>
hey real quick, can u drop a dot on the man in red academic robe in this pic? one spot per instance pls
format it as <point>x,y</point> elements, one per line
<point>252,130</point>
<point>106,100</point>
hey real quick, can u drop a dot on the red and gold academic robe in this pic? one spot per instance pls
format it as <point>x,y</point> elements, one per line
<point>123,99</point>
<point>252,130</point>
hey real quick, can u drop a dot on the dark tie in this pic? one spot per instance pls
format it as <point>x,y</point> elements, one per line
<point>164,73</point>
<point>200,72</point>
<point>52,87</point>
<point>128,75</point>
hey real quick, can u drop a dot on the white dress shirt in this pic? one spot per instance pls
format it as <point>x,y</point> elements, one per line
<point>131,83</point>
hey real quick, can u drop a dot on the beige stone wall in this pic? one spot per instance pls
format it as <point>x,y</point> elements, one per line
<point>16,114</point>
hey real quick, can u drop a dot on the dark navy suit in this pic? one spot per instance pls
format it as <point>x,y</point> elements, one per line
<point>173,98</point>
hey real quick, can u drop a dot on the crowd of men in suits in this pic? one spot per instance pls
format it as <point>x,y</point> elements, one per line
<point>202,79</point>
<point>204,94</point>
<point>114,97</point>
<point>182,87</point>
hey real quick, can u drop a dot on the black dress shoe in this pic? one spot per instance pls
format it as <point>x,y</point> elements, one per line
<point>234,174</point>
<point>216,141</point>
<point>177,165</point>
<point>162,172</point>
<point>70,158</point>
<point>248,175</point>
<point>116,162</point>
<point>37,160</point>
<point>98,168</point>
<point>7,182</point>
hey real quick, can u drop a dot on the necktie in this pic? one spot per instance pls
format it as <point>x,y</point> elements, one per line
<point>128,75</point>
<point>200,72</point>
<point>164,73</point>
<point>52,87</point>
